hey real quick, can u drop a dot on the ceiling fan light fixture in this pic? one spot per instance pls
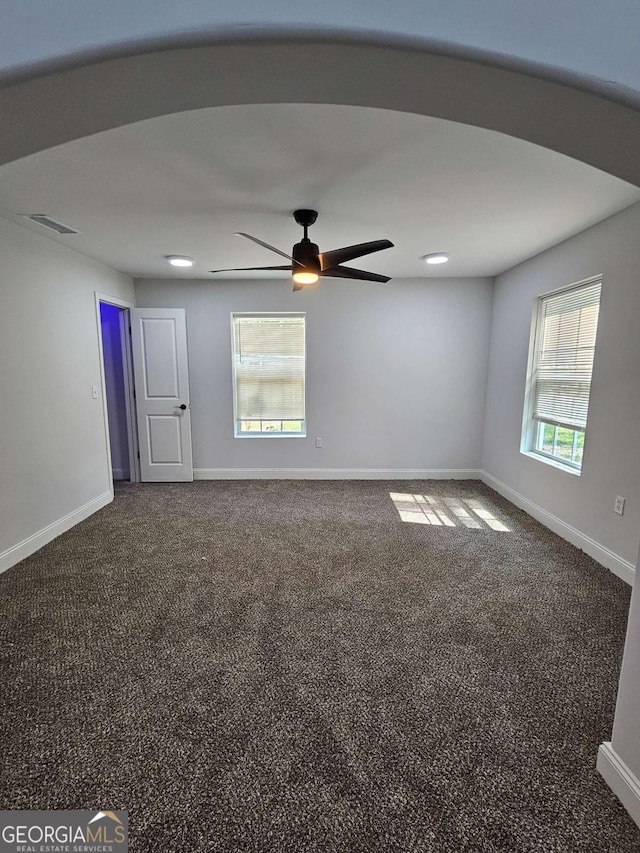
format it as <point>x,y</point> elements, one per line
<point>179,260</point>
<point>436,258</point>
<point>305,276</point>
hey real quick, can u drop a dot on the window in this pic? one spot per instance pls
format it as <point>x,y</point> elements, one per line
<point>268,374</point>
<point>560,366</point>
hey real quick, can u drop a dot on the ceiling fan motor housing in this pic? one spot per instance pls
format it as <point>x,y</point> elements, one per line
<point>307,253</point>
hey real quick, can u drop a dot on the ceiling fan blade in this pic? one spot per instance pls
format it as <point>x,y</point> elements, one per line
<point>247,269</point>
<point>265,246</point>
<point>350,253</point>
<point>350,272</point>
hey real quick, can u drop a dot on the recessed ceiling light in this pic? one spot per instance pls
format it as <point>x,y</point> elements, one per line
<point>436,258</point>
<point>179,260</point>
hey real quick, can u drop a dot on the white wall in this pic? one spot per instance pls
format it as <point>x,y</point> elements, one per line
<point>396,373</point>
<point>611,462</point>
<point>52,442</point>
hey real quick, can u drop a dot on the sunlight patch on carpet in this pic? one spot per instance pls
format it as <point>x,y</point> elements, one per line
<point>446,512</point>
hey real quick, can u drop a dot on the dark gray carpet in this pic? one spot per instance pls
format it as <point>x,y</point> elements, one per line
<point>288,667</point>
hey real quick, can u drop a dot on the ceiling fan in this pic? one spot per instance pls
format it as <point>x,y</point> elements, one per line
<point>308,263</point>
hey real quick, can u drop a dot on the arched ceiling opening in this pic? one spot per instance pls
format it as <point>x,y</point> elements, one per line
<point>63,105</point>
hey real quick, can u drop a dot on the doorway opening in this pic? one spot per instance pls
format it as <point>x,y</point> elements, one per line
<point>117,389</point>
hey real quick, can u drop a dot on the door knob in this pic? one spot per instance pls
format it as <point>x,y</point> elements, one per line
<point>182,406</point>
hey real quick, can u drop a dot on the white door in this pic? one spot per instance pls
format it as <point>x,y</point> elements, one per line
<point>159,343</point>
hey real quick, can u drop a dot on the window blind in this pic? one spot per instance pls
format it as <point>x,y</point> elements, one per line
<point>565,347</point>
<point>269,367</point>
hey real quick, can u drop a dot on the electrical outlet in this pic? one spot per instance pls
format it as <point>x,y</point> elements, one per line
<point>318,442</point>
<point>618,506</point>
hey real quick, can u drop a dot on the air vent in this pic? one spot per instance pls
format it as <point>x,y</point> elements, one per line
<point>51,224</point>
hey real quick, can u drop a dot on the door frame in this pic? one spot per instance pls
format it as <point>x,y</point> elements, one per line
<point>129,392</point>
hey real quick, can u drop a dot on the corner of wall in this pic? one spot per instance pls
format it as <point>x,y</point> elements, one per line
<point>38,540</point>
<point>624,784</point>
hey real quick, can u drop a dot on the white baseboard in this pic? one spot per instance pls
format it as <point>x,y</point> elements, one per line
<point>616,564</point>
<point>120,473</point>
<point>30,545</point>
<point>336,474</point>
<point>624,784</point>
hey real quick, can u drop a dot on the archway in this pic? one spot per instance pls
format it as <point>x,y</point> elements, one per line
<point>90,97</point>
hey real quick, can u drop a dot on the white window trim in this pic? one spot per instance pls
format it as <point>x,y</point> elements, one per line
<point>269,435</point>
<point>567,467</point>
<point>528,431</point>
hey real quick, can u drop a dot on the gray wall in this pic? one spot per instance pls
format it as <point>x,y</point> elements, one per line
<point>396,374</point>
<point>52,440</point>
<point>611,462</point>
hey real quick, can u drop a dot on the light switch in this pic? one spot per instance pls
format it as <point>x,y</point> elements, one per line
<point>94,392</point>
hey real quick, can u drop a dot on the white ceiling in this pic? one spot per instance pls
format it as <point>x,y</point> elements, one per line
<point>182,184</point>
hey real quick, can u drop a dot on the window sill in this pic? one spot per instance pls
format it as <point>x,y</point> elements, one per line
<point>269,435</point>
<point>555,463</point>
